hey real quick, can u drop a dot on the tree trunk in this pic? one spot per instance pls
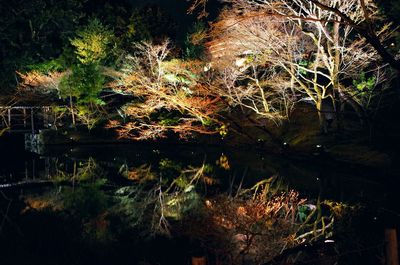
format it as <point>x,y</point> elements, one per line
<point>72,110</point>
<point>321,117</point>
<point>336,70</point>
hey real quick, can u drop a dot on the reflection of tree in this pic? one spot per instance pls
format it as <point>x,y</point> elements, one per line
<point>253,224</point>
<point>165,198</point>
<point>82,171</point>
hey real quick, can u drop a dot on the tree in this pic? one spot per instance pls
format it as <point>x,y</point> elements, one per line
<point>366,27</point>
<point>92,43</point>
<point>82,80</point>
<point>85,80</point>
<point>169,96</point>
<point>238,52</point>
<point>316,50</point>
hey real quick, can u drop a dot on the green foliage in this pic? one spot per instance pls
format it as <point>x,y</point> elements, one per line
<point>194,42</point>
<point>168,119</point>
<point>169,122</point>
<point>207,122</point>
<point>208,168</point>
<point>303,212</point>
<point>137,30</point>
<point>88,115</point>
<point>149,23</point>
<point>131,203</point>
<point>85,82</point>
<point>303,64</point>
<point>53,65</point>
<point>92,43</point>
<point>179,205</point>
<point>166,164</point>
<point>87,201</point>
<point>364,84</point>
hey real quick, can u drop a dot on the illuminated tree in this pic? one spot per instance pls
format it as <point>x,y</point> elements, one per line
<point>82,81</point>
<point>169,96</point>
<point>317,52</point>
<point>244,76</point>
<point>85,80</point>
<point>92,42</point>
<point>366,27</point>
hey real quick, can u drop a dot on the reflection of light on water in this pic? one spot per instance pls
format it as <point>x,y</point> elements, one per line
<point>223,162</point>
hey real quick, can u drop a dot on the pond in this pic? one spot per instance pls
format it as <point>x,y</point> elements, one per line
<point>182,204</point>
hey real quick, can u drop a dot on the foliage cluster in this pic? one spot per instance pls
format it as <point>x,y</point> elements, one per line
<point>250,61</point>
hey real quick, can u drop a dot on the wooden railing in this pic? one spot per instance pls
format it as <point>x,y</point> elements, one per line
<point>25,119</point>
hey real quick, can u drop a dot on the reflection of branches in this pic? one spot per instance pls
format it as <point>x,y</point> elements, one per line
<point>141,174</point>
<point>84,171</point>
<point>159,209</point>
<point>5,215</point>
<point>257,224</point>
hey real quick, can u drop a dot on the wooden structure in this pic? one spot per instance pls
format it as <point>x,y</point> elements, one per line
<point>25,119</point>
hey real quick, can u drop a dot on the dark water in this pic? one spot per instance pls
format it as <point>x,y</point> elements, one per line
<point>312,176</point>
<point>27,237</point>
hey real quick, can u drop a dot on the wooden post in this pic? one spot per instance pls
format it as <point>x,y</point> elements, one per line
<point>9,116</point>
<point>32,122</point>
<point>24,110</point>
<point>392,257</point>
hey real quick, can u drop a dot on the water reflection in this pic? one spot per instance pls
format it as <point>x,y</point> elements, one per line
<point>225,206</point>
<point>248,224</point>
<point>311,177</point>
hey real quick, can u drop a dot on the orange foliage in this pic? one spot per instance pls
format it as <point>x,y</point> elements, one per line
<point>39,82</point>
<point>169,86</point>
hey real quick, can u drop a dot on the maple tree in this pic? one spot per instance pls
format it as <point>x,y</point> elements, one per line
<point>169,96</point>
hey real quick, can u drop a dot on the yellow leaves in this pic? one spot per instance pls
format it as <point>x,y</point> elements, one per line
<point>131,30</point>
<point>223,130</point>
<point>91,43</point>
<point>89,50</point>
<point>223,162</point>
